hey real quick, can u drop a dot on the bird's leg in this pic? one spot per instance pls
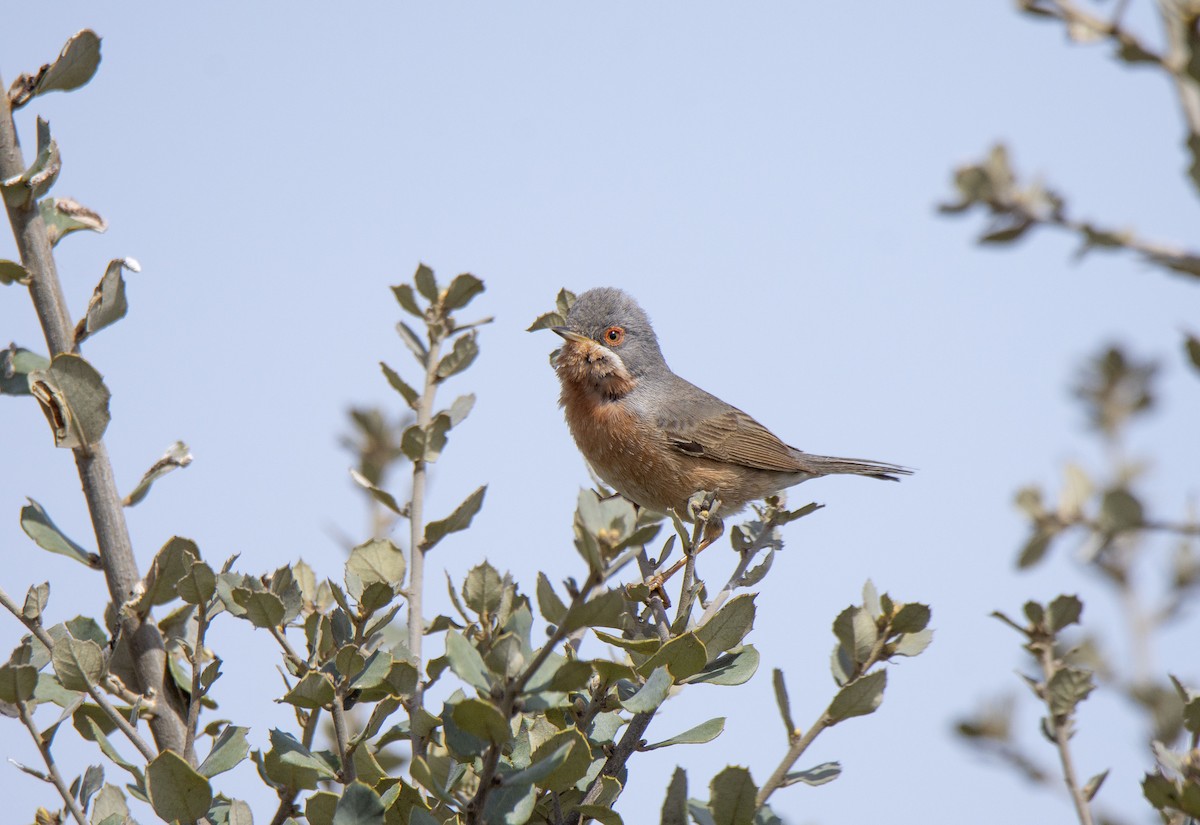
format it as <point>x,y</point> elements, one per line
<point>710,529</point>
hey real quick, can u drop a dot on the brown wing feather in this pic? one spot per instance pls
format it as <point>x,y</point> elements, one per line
<point>736,438</point>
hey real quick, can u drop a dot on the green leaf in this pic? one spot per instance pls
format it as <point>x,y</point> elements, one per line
<point>408,300</point>
<point>911,618</point>
<point>466,662</point>
<point>376,561</point>
<point>460,357</point>
<point>1093,785</point>
<point>481,718</point>
<point>411,396</point>
<point>78,664</point>
<point>674,809</point>
<point>733,793</point>
<point>601,813</point>
<point>551,606</point>
<point>198,584</point>
<point>36,599</point>
<point>604,610</point>
<point>315,690</point>
<point>110,803</point>
<point>1067,688</point>
<point>859,698</point>
<point>36,523</point>
<point>729,668</point>
<point>460,409</point>
<point>1191,346</point>
<point>17,683</point>
<point>547,320</point>
<point>729,626</point>
<point>462,291</point>
<point>177,455</point>
<point>650,695</point>
<point>483,589</point>
<point>171,563</point>
<point>15,365</point>
<point>781,699</point>
<point>510,805</point>
<point>912,644</point>
<point>413,342</point>
<point>359,805</point>
<point>74,399</point>
<point>1121,510</point>
<point>426,284</point>
<point>177,791</point>
<point>683,656</point>
<point>1035,548</point>
<point>108,304</point>
<point>291,764</point>
<point>261,609</point>
<point>1063,612</point>
<point>460,519</point>
<point>704,732</point>
<point>228,750</point>
<point>74,66</point>
<point>63,216</point>
<point>817,775</point>
<point>12,272</point>
<point>382,496</point>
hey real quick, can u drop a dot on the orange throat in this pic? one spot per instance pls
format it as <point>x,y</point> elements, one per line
<point>591,375</point>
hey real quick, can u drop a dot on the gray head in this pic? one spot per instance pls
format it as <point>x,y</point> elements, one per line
<point>614,320</point>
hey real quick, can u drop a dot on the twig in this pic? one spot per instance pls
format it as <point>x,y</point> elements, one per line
<point>1060,725</point>
<point>193,717</point>
<point>91,461</point>
<point>341,735</point>
<point>795,751</point>
<point>51,768</point>
<point>631,740</point>
<point>416,519</point>
<point>291,654</point>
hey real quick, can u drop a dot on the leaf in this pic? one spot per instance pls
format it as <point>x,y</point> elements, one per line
<point>603,610</point>
<point>510,805</point>
<point>733,793</point>
<point>12,272</point>
<point>291,764</point>
<point>108,304</point>
<point>551,606</point>
<point>781,699</point>
<point>110,803</point>
<point>426,284</point>
<point>1121,510</point>
<point>1192,348</point>
<point>36,599</point>
<point>1063,612</point>
<point>601,813</point>
<point>817,775</point>
<point>411,396</point>
<point>15,365</point>
<point>382,496</point>
<point>74,66</point>
<point>1035,548</point>
<point>912,644</point>
<point>17,683</point>
<point>359,805</point>
<point>408,300</point>
<point>74,399</point>
<point>729,626</point>
<point>177,455</point>
<point>542,766</point>
<point>177,791</point>
<point>483,589</point>
<point>729,668</point>
<point>460,519</point>
<point>228,750</point>
<point>1067,688</point>
<point>376,561</point>
<point>704,732</point>
<point>483,719</point>
<point>459,358</point>
<point>63,216</point>
<point>683,656</point>
<point>460,409</point>
<point>1093,785</point>
<point>413,342</point>
<point>859,698</point>
<point>911,618</point>
<point>36,523</point>
<point>547,320</point>
<point>650,695</point>
<point>315,690</point>
<point>462,291</point>
<point>262,609</point>
<point>674,809</point>
<point>466,662</point>
<point>171,563</point>
<point>198,584</point>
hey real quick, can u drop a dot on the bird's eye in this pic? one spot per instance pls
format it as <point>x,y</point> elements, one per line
<point>614,335</point>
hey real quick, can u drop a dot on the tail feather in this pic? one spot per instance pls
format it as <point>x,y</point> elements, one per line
<point>823,465</point>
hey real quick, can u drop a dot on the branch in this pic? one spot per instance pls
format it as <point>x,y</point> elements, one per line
<point>1060,725</point>
<point>631,740</point>
<point>416,519</point>
<point>44,750</point>
<point>795,751</point>
<point>91,461</point>
<point>287,796</point>
<point>193,716</point>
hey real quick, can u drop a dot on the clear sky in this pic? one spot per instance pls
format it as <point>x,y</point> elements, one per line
<point>762,177</point>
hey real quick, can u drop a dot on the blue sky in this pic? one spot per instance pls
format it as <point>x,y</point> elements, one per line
<point>763,179</point>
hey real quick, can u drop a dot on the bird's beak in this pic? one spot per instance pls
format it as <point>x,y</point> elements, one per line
<point>571,335</point>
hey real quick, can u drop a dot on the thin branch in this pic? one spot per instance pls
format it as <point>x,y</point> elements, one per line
<point>631,740</point>
<point>342,737</point>
<point>1060,725</point>
<point>194,701</point>
<point>91,461</point>
<point>48,759</point>
<point>799,745</point>
<point>291,654</point>
<point>416,523</point>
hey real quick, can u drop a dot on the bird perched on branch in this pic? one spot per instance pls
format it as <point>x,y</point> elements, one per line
<point>655,438</point>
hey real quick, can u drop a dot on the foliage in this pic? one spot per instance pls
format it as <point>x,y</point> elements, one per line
<point>1105,511</point>
<point>529,729</point>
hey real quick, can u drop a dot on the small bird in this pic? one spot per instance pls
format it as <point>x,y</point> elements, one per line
<point>657,439</point>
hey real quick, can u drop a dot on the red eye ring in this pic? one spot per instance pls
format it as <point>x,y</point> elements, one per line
<point>614,336</point>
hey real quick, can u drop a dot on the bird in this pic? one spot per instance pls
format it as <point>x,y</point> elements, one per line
<point>656,438</point>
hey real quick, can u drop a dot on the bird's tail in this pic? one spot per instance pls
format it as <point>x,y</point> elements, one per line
<point>823,465</point>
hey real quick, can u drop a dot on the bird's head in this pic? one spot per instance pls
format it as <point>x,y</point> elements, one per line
<point>609,338</point>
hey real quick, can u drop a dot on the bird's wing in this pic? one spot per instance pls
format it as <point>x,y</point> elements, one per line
<point>707,427</point>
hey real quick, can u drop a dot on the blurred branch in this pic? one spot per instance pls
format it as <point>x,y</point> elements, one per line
<point>51,769</point>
